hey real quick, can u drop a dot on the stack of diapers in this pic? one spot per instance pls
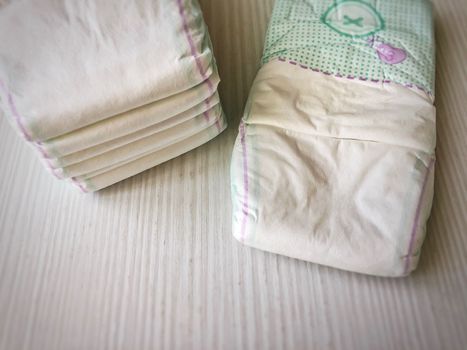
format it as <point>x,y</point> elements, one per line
<point>334,161</point>
<point>105,89</point>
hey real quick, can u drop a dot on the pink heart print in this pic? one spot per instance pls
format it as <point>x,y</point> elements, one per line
<point>390,54</point>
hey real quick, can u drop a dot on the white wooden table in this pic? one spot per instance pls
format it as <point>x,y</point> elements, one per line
<point>150,263</point>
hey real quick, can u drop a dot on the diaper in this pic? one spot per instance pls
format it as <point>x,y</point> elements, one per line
<point>96,85</point>
<point>199,97</point>
<point>334,161</point>
<point>177,120</point>
<point>155,141</point>
<point>69,64</point>
<point>106,178</point>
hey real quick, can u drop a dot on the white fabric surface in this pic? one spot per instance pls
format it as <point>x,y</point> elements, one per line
<point>112,144</point>
<point>144,145</point>
<point>152,159</point>
<point>334,171</point>
<point>132,121</point>
<point>68,64</point>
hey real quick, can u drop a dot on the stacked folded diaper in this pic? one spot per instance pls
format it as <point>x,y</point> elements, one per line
<point>106,89</point>
<point>334,162</point>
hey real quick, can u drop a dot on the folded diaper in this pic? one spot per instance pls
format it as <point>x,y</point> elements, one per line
<point>112,144</point>
<point>151,159</point>
<point>198,97</point>
<point>216,122</point>
<point>334,162</point>
<point>95,85</point>
<point>70,64</point>
<point>155,141</point>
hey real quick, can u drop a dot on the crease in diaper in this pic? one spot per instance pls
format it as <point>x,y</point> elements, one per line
<point>417,218</point>
<point>270,45</point>
<point>350,77</point>
<point>71,170</point>
<point>340,138</point>
<point>245,182</point>
<point>194,53</point>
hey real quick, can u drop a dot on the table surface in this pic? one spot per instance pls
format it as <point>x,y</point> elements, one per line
<point>150,262</point>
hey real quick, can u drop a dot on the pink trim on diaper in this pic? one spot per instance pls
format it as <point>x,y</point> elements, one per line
<point>245,182</point>
<point>79,185</point>
<point>27,135</point>
<point>15,113</point>
<point>337,75</point>
<point>417,218</point>
<point>194,53</point>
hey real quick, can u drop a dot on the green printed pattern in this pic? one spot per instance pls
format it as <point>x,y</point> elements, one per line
<point>389,40</point>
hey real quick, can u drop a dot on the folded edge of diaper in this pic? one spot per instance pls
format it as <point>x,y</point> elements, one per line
<point>110,145</point>
<point>155,141</point>
<point>155,158</point>
<point>251,186</point>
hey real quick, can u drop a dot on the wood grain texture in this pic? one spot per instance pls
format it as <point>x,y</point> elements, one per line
<point>150,263</point>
